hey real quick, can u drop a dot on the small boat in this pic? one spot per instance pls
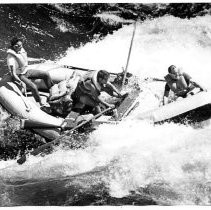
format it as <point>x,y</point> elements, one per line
<point>194,110</point>
<point>35,119</point>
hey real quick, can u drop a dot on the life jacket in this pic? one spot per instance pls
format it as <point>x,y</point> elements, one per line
<point>20,57</point>
<point>88,86</point>
<point>63,104</point>
<point>95,82</point>
<point>178,86</point>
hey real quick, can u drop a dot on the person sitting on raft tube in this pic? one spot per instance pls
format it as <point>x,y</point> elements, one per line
<point>88,90</point>
<point>17,62</point>
<point>60,95</point>
<point>180,83</point>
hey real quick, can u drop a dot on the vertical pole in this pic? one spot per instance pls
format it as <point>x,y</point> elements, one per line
<point>131,44</point>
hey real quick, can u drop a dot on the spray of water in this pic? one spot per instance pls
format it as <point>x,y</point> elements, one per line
<point>169,162</point>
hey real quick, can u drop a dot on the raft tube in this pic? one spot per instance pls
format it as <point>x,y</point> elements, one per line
<point>17,104</point>
<point>193,108</point>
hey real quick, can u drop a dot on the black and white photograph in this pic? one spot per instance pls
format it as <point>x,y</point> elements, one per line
<point>105,104</point>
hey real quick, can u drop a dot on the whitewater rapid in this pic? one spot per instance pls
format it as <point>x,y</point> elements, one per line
<point>172,161</point>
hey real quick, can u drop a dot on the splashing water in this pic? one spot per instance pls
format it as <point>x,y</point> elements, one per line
<point>170,163</point>
<point>157,44</point>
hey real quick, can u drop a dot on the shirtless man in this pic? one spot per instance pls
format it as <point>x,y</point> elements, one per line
<point>179,83</point>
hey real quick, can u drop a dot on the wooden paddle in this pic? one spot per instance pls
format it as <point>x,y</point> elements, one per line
<point>131,44</point>
<point>124,71</point>
<point>155,79</point>
<point>82,69</point>
<point>59,139</point>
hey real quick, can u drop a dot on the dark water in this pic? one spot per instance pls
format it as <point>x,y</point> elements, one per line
<point>49,30</point>
<point>78,190</point>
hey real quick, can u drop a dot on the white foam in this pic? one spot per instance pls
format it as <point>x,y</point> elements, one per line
<point>138,154</point>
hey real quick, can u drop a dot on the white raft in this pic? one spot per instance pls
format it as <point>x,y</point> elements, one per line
<point>12,99</point>
<point>200,103</point>
<point>16,104</point>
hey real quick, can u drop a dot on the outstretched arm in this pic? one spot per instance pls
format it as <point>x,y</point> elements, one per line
<point>198,85</point>
<point>16,78</point>
<point>105,103</point>
<point>111,89</point>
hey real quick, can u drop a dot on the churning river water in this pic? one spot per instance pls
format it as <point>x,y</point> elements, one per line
<point>133,162</point>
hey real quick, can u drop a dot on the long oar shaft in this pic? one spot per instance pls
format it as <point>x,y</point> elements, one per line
<point>57,140</point>
<point>83,69</point>
<point>128,59</point>
<point>41,148</point>
<point>155,79</point>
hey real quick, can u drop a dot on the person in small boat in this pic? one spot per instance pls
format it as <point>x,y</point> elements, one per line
<point>60,95</point>
<point>88,90</point>
<point>17,62</point>
<point>180,83</point>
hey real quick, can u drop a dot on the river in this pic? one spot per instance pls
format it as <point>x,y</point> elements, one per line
<point>134,162</point>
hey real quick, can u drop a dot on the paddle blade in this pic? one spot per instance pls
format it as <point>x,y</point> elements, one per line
<point>21,160</point>
<point>28,124</point>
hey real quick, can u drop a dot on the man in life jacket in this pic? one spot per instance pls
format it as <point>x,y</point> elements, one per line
<point>60,95</point>
<point>179,83</point>
<point>17,62</point>
<point>88,90</point>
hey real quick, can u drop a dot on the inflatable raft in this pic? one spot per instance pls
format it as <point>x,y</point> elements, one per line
<point>192,110</point>
<point>25,107</point>
<point>12,99</point>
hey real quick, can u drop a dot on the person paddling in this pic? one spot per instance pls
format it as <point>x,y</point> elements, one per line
<point>179,83</point>
<point>17,62</point>
<point>88,90</point>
